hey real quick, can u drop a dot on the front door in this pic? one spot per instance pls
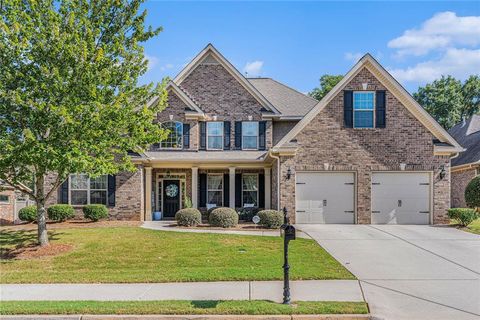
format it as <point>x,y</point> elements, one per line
<point>171,198</point>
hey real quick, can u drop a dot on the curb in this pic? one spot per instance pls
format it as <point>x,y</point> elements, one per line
<point>191,317</point>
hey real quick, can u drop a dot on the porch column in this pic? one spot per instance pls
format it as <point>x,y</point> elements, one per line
<point>195,187</point>
<point>148,193</point>
<point>232,187</point>
<point>268,188</point>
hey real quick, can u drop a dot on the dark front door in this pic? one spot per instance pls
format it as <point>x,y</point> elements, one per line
<point>171,198</point>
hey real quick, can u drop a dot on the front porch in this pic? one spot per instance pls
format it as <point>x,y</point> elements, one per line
<point>169,188</point>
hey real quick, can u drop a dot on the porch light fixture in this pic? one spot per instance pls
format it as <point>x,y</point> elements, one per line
<point>289,173</point>
<point>443,173</point>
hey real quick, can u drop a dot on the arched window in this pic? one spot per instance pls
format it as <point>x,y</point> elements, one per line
<point>174,139</point>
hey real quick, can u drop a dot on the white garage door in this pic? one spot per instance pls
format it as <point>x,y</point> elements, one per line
<point>325,197</point>
<point>401,198</point>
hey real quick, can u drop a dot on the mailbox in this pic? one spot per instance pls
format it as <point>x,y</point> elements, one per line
<point>288,232</point>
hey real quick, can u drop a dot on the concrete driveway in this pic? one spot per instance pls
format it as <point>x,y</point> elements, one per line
<point>409,272</point>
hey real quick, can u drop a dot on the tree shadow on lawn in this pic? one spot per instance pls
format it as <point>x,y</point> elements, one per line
<point>22,243</point>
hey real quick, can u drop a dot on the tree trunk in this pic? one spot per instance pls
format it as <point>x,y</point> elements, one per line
<point>41,212</point>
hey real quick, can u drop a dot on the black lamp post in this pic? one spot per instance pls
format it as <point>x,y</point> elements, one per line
<point>288,233</point>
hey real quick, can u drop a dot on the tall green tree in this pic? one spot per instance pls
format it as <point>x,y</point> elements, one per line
<point>327,82</point>
<point>448,100</point>
<point>70,100</point>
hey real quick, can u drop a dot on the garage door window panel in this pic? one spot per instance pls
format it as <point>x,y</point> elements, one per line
<point>363,109</point>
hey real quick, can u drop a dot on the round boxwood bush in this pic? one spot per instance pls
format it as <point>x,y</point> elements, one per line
<point>223,217</point>
<point>464,216</point>
<point>60,212</point>
<point>472,193</point>
<point>188,217</point>
<point>272,219</point>
<point>95,212</point>
<point>28,213</point>
<point>247,213</point>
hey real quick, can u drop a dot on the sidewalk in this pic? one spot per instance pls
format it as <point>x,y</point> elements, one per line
<point>167,226</point>
<point>311,290</point>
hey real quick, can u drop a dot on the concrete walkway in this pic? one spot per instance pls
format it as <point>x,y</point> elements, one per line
<point>409,272</point>
<point>170,226</point>
<point>312,290</point>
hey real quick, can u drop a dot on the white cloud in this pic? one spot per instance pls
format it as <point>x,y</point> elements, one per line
<point>353,56</point>
<point>443,31</point>
<point>459,63</point>
<point>152,61</point>
<point>253,69</point>
<point>166,66</point>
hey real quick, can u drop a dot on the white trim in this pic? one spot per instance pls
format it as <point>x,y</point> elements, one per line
<point>206,135</point>
<point>215,190</point>
<point>258,193</point>
<point>160,177</point>
<point>395,89</point>
<point>210,49</point>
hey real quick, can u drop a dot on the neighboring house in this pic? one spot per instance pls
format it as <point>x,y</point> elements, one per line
<point>11,201</point>
<point>467,165</point>
<point>367,153</point>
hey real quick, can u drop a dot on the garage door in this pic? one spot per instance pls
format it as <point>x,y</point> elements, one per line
<point>325,197</point>
<point>401,198</point>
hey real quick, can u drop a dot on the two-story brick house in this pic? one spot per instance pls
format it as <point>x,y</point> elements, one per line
<point>366,153</point>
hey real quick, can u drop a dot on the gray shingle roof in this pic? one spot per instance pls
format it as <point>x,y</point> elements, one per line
<point>467,133</point>
<point>288,101</point>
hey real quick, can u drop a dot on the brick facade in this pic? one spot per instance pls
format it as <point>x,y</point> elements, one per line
<point>404,140</point>
<point>460,180</point>
<point>7,208</point>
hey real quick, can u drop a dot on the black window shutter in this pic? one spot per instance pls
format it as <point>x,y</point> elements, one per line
<point>238,190</point>
<point>186,135</point>
<point>203,135</point>
<point>111,190</point>
<point>262,137</point>
<point>226,190</point>
<point>64,192</point>
<point>238,135</point>
<point>380,111</point>
<point>202,190</point>
<point>348,108</point>
<point>226,135</point>
<point>261,191</point>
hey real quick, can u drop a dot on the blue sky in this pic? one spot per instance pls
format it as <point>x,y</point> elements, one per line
<point>297,42</point>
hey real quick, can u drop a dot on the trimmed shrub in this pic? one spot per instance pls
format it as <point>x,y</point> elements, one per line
<point>472,193</point>
<point>464,216</point>
<point>271,219</point>
<point>188,217</point>
<point>223,217</point>
<point>95,212</point>
<point>28,213</point>
<point>60,212</point>
<point>246,214</point>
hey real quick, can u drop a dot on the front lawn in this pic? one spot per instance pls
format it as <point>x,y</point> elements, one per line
<point>474,227</point>
<point>132,254</point>
<point>255,307</point>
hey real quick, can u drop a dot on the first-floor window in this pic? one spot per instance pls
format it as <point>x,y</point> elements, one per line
<point>215,189</point>
<point>85,190</point>
<point>250,189</point>
<point>363,109</point>
<point>4,198</point>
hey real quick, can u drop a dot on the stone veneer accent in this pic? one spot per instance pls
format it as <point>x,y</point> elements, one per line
<point>460,180</point>
<point>404,140</point>
<point>129,199</point>
<point>7,209</point>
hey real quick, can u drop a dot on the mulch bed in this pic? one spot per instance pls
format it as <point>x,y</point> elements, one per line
<point>241,226</point>
<point>75,224</point>
<point>35,251</point>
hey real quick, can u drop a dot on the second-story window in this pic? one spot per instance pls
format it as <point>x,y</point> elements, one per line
<point>249,135</point>
<point>363,109</point>
<point>175,135</point>
<point>215,135</point>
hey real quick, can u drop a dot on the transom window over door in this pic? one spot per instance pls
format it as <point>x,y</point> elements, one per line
<point>175,136</point>
<point>249,135</point>
<point>215,135</point>
<point>85,190</point>
<point>363,109</point>
<point>215,189</point>
<point>250,189</point>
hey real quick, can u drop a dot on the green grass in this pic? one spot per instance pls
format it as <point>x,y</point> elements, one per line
<point>474,227</point>
<point>255,307</point>
<point>131,254</point>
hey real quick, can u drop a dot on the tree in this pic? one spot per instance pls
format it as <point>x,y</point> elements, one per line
<point>472,193</point>
<point>69,95</point>
<point>448,101</point>
<point>327,82</point>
